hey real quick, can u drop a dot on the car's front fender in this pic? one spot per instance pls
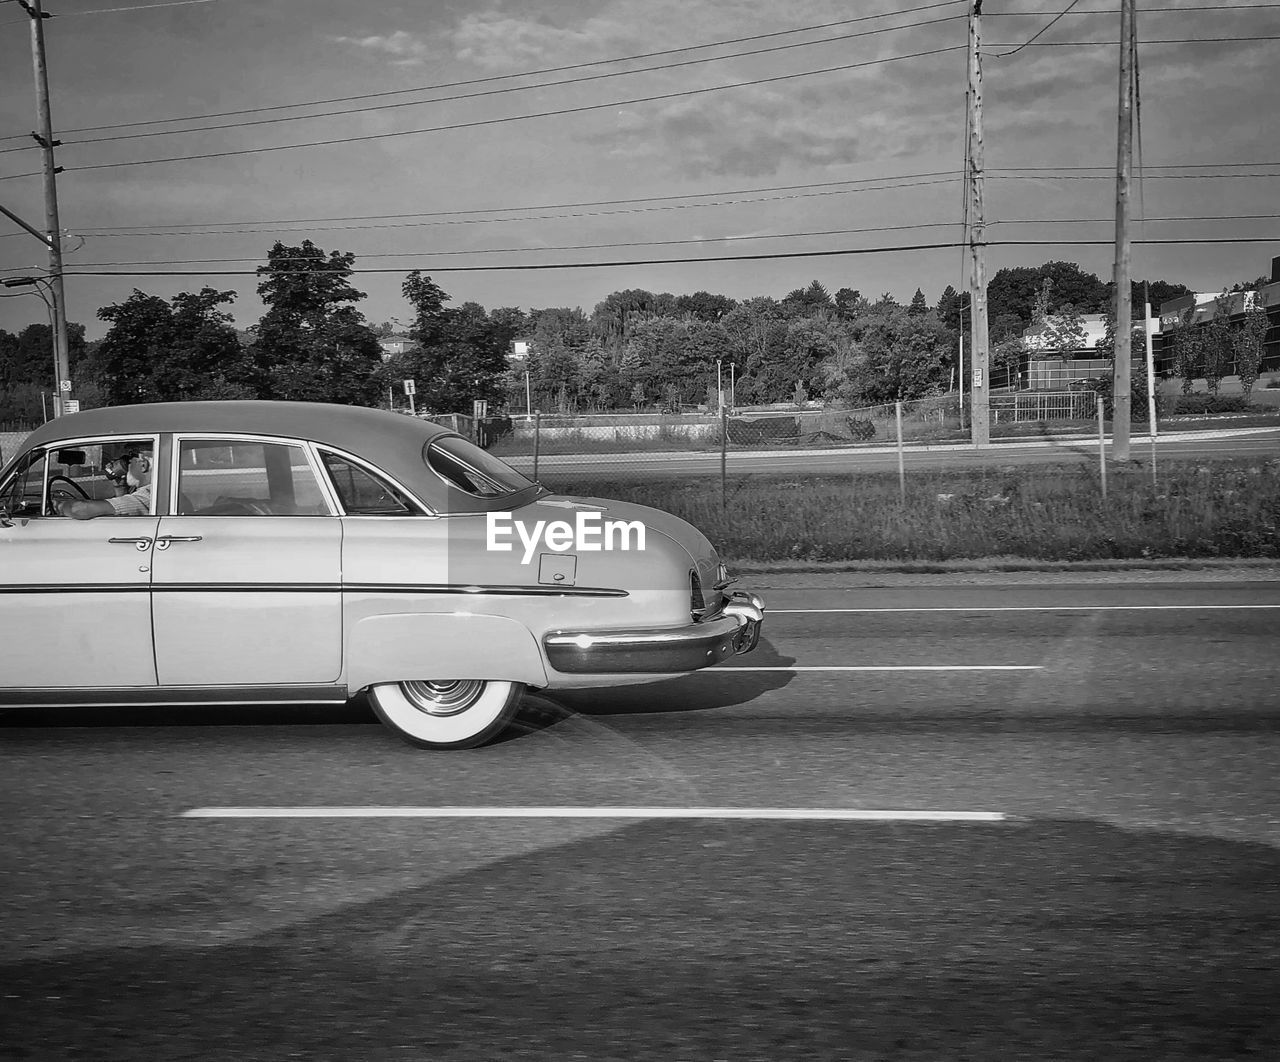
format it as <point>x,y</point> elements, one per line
<point>444,645</point>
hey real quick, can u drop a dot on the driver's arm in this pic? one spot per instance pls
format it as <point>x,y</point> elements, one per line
<point>83,510</point>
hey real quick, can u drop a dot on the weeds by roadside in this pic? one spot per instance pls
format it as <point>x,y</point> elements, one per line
<point>1050,513</point>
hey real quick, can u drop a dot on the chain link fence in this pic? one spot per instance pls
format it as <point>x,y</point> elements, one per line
<point>573,449</point>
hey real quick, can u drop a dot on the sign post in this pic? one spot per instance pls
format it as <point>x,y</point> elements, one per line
<point>410,388</point>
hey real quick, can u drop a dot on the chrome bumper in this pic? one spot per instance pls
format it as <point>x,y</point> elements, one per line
<point>735,629</point>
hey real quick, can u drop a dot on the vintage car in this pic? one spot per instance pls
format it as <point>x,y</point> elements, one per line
<point>289,552</point>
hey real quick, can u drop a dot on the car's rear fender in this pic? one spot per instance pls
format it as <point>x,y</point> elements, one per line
<point>450,645</point>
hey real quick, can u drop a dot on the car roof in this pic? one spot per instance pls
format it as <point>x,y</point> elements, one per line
<point>391,441</point>
<point>349,427</point>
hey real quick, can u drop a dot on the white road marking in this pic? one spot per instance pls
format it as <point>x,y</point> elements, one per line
<point>1017,608</point>
<point>801,814</point>
<point>889,667</point>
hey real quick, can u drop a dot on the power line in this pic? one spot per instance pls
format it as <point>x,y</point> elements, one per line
<point>498,91</point>
<point>680,243</point>
<point>673,243</point>
<point>946,245</point>
<point>1043,29</point>
<point>544,70</point>
<point>453,126</point>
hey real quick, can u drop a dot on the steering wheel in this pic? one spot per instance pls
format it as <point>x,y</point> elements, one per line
<point>71,483</point>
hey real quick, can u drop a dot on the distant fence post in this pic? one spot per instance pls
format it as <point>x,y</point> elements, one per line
<point>537,433</point>
<point>902,472</point>
<point>1102,447</point>
<point>724,455</point>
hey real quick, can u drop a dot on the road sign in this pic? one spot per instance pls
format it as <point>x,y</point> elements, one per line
<point>977,377</point>
<point>479,409</point>
<point>64,386</point>
<point>410,388</point>
<point>71,405</point>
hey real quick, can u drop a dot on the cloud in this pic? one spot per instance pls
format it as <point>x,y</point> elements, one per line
<point>399,47</point>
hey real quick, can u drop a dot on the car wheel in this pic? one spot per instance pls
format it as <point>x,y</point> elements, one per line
<point>446,713</point>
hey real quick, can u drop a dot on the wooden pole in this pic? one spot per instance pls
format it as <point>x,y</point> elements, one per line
<point>979,391</point>
<point>61,349</point>
<point>1123,311</point>
<point>902,474</point>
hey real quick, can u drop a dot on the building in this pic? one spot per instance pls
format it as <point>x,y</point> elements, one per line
<point>1198,310</point>
<point>1067,371</point>
<point>395,344</point>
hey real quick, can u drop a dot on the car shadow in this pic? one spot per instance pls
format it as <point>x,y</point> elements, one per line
<point>356,710</point>
<point>716,687</point>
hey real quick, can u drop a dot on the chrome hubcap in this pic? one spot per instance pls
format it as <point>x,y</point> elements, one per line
<point>445,697</point>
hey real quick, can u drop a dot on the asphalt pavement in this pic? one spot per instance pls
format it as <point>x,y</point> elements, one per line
<point>1115,894</point>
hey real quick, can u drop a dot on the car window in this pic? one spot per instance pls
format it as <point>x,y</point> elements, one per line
<point>234,477</point>
<point>361,492</point>
<point>471,469</point>
<point>23,492</point>
<point>79,470</point>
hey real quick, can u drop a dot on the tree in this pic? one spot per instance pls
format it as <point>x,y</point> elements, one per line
<point>805,302</point>
<point>918,304</point>
<point>1188,349</point>
<point>705,306</point>
<point>1014,290</point>
<point>460,354</point>
<point>26,370</point>
<point>1216,338</point>
<point>849,303</point>
<point>1247,341</point>
<point>310,344</point>
<point>952,305</point>
<point>907,356</point>
<point>1064,332</point>
<point>182,350</point>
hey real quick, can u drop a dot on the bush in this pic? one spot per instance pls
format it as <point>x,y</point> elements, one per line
<point>494,428</point>
<point>1201,404</point>
<point>860,429</point>
<point>746,432</point>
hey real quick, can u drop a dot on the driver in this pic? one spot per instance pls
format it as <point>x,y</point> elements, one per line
<point>134,468</point>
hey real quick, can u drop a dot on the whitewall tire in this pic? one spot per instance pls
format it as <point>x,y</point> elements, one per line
<point>446,713</point>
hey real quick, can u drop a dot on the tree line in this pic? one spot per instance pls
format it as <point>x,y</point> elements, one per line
<point>635,349</point>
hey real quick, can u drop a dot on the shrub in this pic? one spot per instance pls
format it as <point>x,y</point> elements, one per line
<point>860,429</point>
<point>1205,403</point>
<point>494,428</point>
<point>765,428</point>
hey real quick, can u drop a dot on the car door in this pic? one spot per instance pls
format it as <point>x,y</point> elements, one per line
<point>75,595</point>
<point>247,579</point>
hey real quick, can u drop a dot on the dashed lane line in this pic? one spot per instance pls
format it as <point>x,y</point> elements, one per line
<point>757,814</point>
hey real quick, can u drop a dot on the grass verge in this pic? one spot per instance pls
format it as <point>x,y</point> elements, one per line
<point>1207,509</point>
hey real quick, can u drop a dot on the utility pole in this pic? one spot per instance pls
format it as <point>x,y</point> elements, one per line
<point>980,422</point>
<point>1123,309</point>
<point>61,349</point>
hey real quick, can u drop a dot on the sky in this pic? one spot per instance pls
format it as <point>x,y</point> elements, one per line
<point>778,142</point>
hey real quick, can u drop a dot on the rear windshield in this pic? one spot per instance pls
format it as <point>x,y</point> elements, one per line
<point>469,468</point>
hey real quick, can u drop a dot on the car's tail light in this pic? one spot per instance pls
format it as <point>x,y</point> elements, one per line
<point>697,605</point>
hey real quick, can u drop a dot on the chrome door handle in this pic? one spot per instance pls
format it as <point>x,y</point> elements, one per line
<point>139,543</point>
<point>165,541</point>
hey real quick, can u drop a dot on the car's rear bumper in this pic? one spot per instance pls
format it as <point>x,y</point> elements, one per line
<point>735,629</point>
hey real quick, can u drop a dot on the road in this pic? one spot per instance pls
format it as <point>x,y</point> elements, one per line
<point>1118,895</point>
<point>1206,445</point>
